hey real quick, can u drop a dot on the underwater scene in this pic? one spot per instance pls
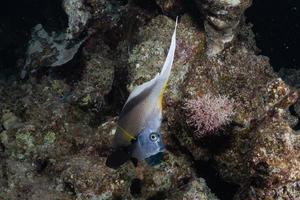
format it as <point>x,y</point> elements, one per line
<point>149,100</point>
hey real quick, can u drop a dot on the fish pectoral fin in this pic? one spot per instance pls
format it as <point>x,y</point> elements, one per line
<point>118,157</point>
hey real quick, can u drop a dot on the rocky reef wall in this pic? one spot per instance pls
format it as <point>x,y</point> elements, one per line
<point>73,68</point>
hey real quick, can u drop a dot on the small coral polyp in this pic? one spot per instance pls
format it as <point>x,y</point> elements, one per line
<point>208,113</point>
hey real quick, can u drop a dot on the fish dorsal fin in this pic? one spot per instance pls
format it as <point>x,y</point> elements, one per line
<point>139,89</point>
<point>165,72</point>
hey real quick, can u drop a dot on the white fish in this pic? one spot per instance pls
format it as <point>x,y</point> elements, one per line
<point>140,119</point>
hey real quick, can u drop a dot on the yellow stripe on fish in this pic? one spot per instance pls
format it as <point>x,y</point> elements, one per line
<point>127,136</point>
<point>161,95</point>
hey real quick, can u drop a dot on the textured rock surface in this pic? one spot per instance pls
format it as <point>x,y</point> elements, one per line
<point>258,92</point>
<point>57,126</point>
<point>51,49</point>
<point>291,76</point>
<point>274,162</point>
<point>97,79</point>
<point>78,16</point>
<point>196,189</point>
<point>52,156</point>
<point>222,18</point>
<point>148,56</point>
<point>170,7</point>
<point>48,50</point>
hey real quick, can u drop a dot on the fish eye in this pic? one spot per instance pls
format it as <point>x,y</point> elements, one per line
<point>153,137</point>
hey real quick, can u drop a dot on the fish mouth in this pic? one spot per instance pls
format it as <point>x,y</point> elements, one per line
<point>154,159</point>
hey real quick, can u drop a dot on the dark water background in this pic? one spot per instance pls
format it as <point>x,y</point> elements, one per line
<point>276,27</point>
<point>17,18</point>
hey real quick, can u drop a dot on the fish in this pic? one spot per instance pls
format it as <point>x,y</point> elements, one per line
<point>138,134</point>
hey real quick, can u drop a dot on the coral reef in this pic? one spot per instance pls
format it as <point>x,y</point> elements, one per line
<point>78,16</point>
<point>147,57</point>
<point>97,79</point>
<point>291,76</point>
<point>56,125</point>
<point>222,18</point>
<point>55,49</point>
<point>274,161</point>
<point>243,76</point>
<point>195,190</point>
<point>170,7</point>
<point>48,50</point>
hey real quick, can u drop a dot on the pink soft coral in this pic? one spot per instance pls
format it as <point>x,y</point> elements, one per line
<point>208,113</point>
